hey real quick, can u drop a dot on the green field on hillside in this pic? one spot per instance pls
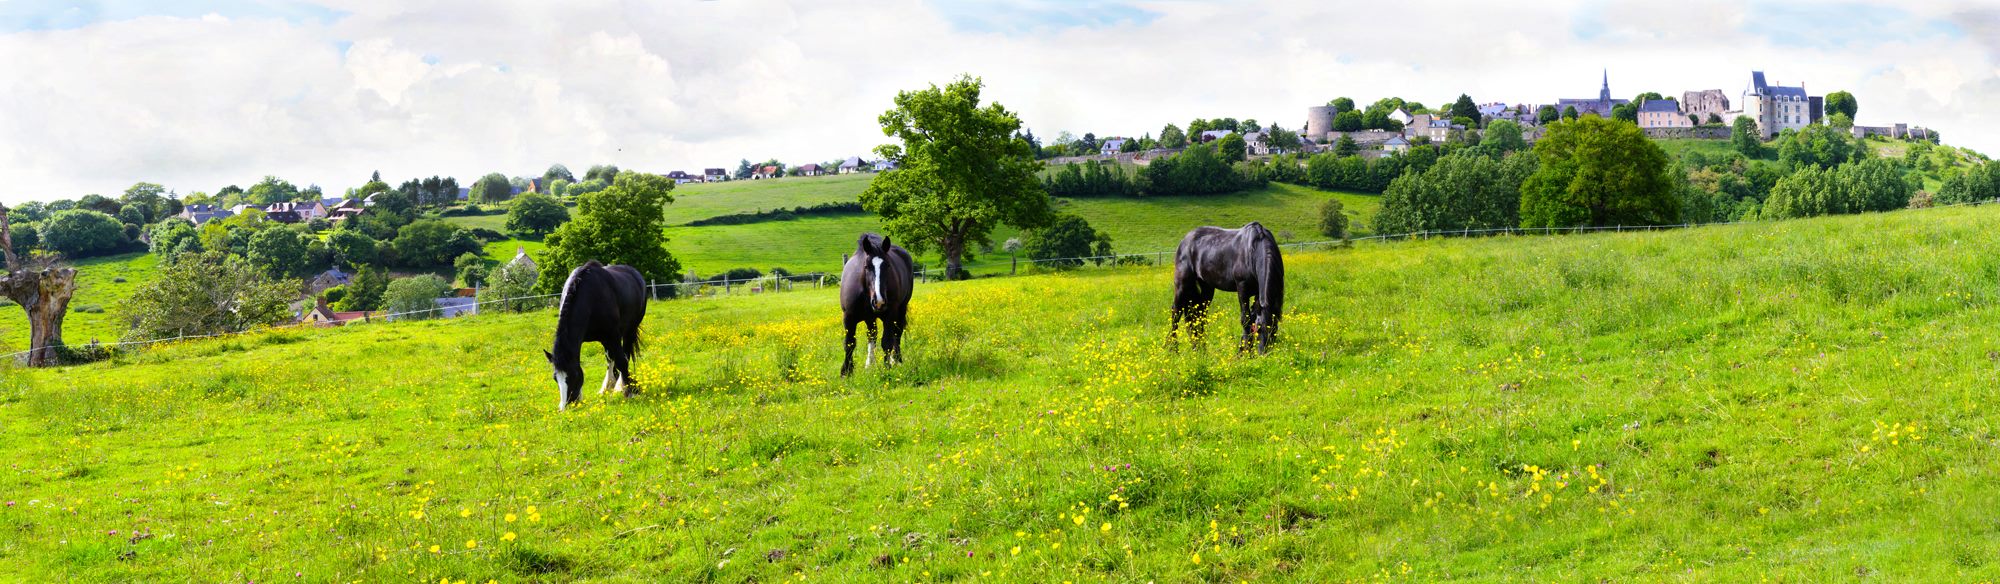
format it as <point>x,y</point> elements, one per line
<point>1136,226</point>
<point>1785,401</point>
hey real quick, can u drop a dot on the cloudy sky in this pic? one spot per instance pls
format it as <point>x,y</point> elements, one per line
<point>196,95</point>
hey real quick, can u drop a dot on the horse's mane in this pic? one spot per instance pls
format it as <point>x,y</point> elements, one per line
<point>578,276</point>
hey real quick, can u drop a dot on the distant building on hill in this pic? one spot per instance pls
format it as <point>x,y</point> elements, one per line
<point>1662,113</point>
<point>1705,103</point>
<point>1776,108</point>
<point>1600,106</point>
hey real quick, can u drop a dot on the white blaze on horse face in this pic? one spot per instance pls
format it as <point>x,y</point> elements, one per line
<point>877,297</point>
<point>562,390</point>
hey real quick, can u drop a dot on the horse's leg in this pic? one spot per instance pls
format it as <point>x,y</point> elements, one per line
<point>847,367</point>
<point>871,345</point>
<point>892,341</point>
<point>623,365</point>
<point>1245,301</point>
<point>610,367</point>
<point>1197,315</point>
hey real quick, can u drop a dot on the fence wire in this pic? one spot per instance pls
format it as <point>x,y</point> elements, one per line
<point>1155,257</point>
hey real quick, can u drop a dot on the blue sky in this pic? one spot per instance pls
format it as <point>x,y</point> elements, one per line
<point>1023,17</point>
<point>29,15</point>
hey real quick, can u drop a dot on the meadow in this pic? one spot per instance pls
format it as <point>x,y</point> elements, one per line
<point>101,284</point>
<point>1783,401</point>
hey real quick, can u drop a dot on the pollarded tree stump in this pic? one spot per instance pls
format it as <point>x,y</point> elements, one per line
<point>44,292</point>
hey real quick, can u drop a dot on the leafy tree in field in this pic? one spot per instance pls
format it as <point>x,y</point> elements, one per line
<point>1128,146</point>
<point>170,239</point>
<point>963,173</point>
<point>272,190</point>
<point>1840,121</point>
<point>1333,219</point>
<point>394,203</point>
<point>1464,108</point>
<point>536,214</point>
<point>1979,183</point>
<point>1345,146</point>
<point>80,233</point>
<point>594,185</point>
<point>623,224</point>
<point>431,243</point>
<point>1196,127</point>
<point>132,215</point>
<point>279,252</point>
<point>352,248</point>
<point>1569,112</point>
<point>27,236</point>
<point>365,291</point>
<point>1744,135</point>
<point>471,268</point>
<point>743,170</point>
<point>29,212</point>
<point>1341,105</point>
<point>1818,145</point>
<point>1231,148</point>
<point>415,297</point>
<point>492,188</point>
<point>1465,190</point>
<point>98,203</point>
<point>1598,172</point>
<point>1503,136</point>
<point>1171,137</point>
<point>1060,244</point>
<point>510,286</point>
<point>1841,102</point>
<point>372,187</point>
<point>209,293</point>
<point>603,172</point>
<point>557,171</point>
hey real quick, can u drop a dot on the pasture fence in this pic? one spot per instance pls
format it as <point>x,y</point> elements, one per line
<point>696,289</point>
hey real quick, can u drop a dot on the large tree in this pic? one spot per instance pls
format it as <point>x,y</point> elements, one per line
<point>623,224</point>
<point>1841,102</point>
<point>1503,136</point>
<point>1744,135</point>
<point>1172,137</point>
<point>79,233</point>
<point>432,243</point>
<point>536,214</point>
<point>963,172</point>
<point>208,293</point>
<point>272,190</point>
<point>1598,172</point>
<point>42,287</point>
<point>556,171</point>
<point>492,188</point>
<point>1464,108</point>
<point>280,252</point>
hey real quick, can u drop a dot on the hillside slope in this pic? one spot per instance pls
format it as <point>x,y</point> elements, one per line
<point>1804,400</point>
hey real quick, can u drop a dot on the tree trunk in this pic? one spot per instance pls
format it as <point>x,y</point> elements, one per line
<point>954,251</point>
<point>42,290</point>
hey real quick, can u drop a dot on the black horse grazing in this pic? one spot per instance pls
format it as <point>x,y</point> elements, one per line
<point>1245,261</point>
<point>602,305</point>
<point>877,283</point>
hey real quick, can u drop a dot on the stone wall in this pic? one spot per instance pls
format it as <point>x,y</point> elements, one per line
<point>1695,133</point>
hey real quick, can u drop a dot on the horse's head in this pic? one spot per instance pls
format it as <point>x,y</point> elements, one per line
<point>568,373</point>
<point>872,256</point>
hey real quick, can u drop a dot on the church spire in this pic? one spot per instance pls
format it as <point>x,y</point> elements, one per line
<point>1604,94</point>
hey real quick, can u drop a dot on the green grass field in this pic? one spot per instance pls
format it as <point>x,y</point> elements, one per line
<point>1787,401</point>
<point>94,308</point>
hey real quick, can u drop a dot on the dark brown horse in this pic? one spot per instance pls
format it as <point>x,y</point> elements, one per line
<point>876,284</point>
<point>601,305</point>
<point>1245,261</point>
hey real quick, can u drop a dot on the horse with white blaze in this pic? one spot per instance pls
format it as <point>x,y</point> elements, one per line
<point>876,284</point>
<point>600,304</point>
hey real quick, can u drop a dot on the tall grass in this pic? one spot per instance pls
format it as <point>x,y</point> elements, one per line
<point>1800,400</point>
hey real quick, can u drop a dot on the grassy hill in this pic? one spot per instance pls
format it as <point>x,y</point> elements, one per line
<point>817,243</point>
<point>1791,401</point>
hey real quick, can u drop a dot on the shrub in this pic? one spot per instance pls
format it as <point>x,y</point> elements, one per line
<point>1333,219</point>
<point>415,297</point>
<point>1064,241</point>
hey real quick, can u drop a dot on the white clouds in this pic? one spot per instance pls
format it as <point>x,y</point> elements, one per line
<point>464,89</point>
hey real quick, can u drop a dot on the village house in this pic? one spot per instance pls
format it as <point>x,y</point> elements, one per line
<point>1400,116</point>
<point>682,177</point>
<point>199,214</point>
<point>325,316</point>
<point>327,280</point>
<point>1396,145</point>
<point>764,172</point>
<point>1213,135</point>
<point>1662,113</point>
<point>1257,143</point>
<point>810,170</point>
<point>852,165</point>
<point>714,175</point>
<point>1111,146</point>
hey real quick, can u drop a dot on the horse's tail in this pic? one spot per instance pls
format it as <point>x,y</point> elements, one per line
<point>1270,268</point>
